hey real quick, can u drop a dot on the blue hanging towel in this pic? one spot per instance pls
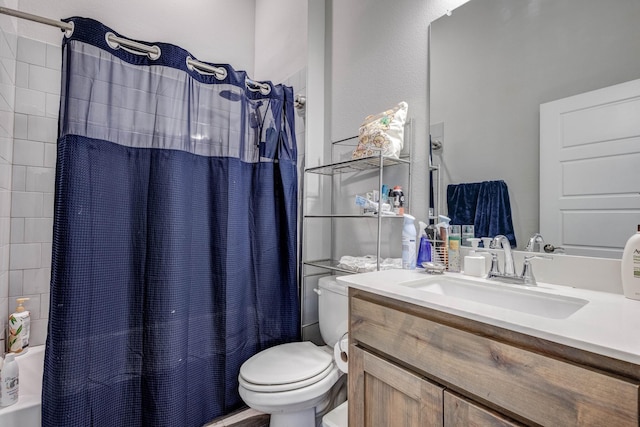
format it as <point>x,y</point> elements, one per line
<point>484,204</point>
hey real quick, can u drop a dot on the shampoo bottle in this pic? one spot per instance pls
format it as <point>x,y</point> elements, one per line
<point>409,243</point>
<point>631,267</point>
<point>9,381</point>
<point>22,317</point>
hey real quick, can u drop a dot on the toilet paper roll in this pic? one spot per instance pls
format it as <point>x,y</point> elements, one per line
<point>341,354</point>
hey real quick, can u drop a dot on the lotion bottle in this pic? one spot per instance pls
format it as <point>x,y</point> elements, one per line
<point>9,381</point>
<point>631,267</point>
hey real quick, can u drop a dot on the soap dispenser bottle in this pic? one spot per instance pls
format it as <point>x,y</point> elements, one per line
<point>631,267</point>
<point>21,319</point>
<point>474,263</point>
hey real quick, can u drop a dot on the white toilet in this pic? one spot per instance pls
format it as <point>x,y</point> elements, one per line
<point>295,382</point>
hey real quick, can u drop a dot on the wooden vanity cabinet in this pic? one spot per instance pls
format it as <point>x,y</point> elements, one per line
<point>411,365</point>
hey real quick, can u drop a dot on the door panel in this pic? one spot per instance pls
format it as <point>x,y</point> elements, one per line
<point>589,170</point>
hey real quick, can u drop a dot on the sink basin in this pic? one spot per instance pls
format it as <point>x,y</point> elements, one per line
<point>504,296</point>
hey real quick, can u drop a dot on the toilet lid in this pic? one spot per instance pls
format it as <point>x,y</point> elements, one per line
<point>286,364</point>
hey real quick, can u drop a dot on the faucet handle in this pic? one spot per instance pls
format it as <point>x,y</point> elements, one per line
<point>527,269</point>
<point>495,266</point>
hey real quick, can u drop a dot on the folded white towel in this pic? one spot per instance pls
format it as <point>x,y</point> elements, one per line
<point>362,264</point>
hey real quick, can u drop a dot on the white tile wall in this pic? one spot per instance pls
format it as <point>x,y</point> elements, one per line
<point>34,127</point>
<point>32,51</point>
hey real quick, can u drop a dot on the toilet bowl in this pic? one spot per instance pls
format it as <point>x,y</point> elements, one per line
<point>297,382</point>
<point>299,379</point>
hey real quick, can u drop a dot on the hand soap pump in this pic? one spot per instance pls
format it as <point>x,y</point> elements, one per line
<point>409,243</point>
<point>474,263</point>
<point>20,321</point>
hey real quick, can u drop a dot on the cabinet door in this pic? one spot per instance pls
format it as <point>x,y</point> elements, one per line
<point>382,394</point>
<point>460,412</point>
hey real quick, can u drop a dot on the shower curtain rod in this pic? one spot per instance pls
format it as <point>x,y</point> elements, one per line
<point>64,26</point>
<point>115,41</point>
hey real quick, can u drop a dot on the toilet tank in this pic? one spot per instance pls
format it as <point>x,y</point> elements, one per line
<point>333,309</point>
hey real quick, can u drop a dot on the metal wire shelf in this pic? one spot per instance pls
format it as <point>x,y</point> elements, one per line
<point>357,165</point>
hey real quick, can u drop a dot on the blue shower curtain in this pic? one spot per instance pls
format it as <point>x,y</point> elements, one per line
<point>174,248</point>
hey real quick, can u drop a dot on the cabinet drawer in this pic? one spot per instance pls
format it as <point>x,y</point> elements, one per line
<point>541,389</point>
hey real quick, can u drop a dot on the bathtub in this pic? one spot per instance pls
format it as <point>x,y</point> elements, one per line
<point>26,413</point>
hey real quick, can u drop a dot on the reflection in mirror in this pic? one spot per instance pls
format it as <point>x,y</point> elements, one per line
<point>493,63</point>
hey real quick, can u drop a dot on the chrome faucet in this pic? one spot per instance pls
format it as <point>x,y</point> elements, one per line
<point>536,243</point>
<point>526,278</point>
<point>501,242</point>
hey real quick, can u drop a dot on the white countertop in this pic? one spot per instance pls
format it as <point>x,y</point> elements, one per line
<point>609,324</point>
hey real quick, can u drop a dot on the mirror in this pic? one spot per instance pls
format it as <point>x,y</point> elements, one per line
<point>493,62</point>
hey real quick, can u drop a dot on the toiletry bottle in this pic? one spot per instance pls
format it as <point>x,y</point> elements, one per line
<point>9,381</point>
<point>631,267</point>
<point>398,200</point>
<point>409,243</point>
<point>23,317</point>
<point>424,249</point>
<point>454,248</point>
<point>14,340</point>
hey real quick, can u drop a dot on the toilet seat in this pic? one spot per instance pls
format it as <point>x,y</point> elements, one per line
<point>286,367</point>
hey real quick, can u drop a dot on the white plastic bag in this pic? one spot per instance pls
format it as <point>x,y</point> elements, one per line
<point>383,131</point>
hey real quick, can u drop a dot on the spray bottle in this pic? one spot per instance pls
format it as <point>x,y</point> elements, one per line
<point>409,243</point>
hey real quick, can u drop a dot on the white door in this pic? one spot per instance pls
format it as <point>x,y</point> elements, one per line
<point>590,170</point>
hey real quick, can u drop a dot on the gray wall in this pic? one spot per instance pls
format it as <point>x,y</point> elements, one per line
<point>363,58</point>
<point>378,55</point>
